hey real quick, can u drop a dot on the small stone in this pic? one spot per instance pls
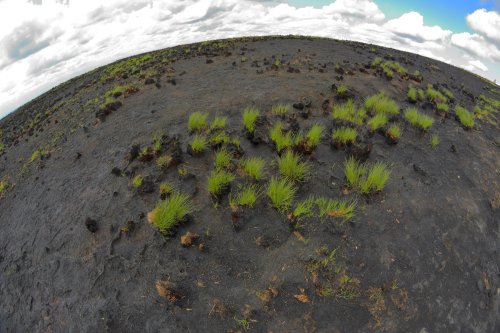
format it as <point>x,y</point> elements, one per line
<point>91,225</point>
<point>149,81</point>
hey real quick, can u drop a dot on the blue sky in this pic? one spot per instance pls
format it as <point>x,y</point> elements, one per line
<point>46,42</point>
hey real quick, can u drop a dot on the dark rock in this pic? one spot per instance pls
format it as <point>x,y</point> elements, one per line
<point>149,80</point>
<point>325,105</point>
<point>172,81</point>
<point>91,225</point>
<point>298,106</point>
<point>209,61</point>
<point>147,185</point>
<point>453,149</point>
<point>419,170</point>
<point>134,152</point>
<point>116,171</point>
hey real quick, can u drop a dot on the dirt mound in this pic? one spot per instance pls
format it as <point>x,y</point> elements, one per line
<point>278,184</point>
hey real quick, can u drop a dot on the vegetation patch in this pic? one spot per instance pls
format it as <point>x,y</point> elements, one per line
<point>291,167</point>
<point>434,141</point>
<point>218,123</point>
<point>333,208</point>
<point>247,196</point>
<point>218,182</point>
<point>418,119</point>
<point>377,121</point>
<point>281,139</point>
<point>197,121</point>
<point>280,109</point>
<point>199,144</point>
<point>250,116</point>
<point>344,135</point>
<point>222,159</point>
<point>281,193</point>
<point>464,116</point>
<point>348,112</point>
<point>170,212</point>
<point>364,178</point>
<point>393,133</point>
<point>381,104</point>
<point>253,167</point>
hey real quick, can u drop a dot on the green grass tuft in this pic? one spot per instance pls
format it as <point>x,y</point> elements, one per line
<point>442,107</point>
<point>163,162</point>
<point>314,136</point>
<point>434,141</point>
<point>166,188</point>
<point>253,167</point>
<point>418,119</point>
<point>348,112</point>
<point>218,123</point>
<point>342,89</point>
<point>280,109</point>
<point>344,135</point>
<point>280,139</point>
<point>336,208</point>
<point>197,121</point>
<point>464,116</point>
<point>291,167</point>
<point>247,196</point>
<point>412,95</point>
<point>222,159</point>
<point>304,208</point>
<point>218,181</point>
<point>434,95</point>
<point>199,144</point>
<point>377,121</point>
<point>381,104</point>
<point>250,116</point>
<point>394,132</point>
<point>281,193</point>
<point>137,181</point>
<point>168,213</point>
<point>364,178</point>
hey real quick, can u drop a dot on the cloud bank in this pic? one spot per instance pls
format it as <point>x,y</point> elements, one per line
<point>59,39</point>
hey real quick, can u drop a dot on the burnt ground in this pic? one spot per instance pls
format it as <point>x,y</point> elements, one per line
<point>420,256</point>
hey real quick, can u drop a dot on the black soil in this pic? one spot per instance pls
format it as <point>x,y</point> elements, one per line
<point>77,253</point>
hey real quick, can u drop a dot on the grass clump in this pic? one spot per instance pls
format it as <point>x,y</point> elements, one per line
<point>464,116</point>
<point>364,178</point>
<point>218,123</point>
<point>247,196</point>
<point>418,119</point>
<point>222,159</point>
<point>314,135</point>
<point>250,116</point>
<point>281,140</point>
<point>137,181</point>
<point>434,95</point>
<point>166,188</point>
<point>434,141</point>
<point>254,167</point>
<point>197,121</point>
<point>163,162</point>
<point>341,90</point>
<point>168,213</point>
<point>219,138</point>
<point>376,62</point>
<point>381,104</point>
<point>412,95</point>
<point>291,167</point>
<point>377,121</point>
<point>442,107</point>
<point>280,109</point>
<point>348,112</point>
<point>304,208</point>
<point>199,144</point>
<point>344,135</point>
<point>394,133</point>
<point>336,208</point>
<point>218,182</point>
<point>4,185</point>
<point>281,193</point>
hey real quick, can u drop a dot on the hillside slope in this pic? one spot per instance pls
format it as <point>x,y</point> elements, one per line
<point>82,167</point>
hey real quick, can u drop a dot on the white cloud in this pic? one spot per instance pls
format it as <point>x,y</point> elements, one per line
<point>476,65</point>
<point>486,23</point>
<point>43,45</point>
<point>476,45</point>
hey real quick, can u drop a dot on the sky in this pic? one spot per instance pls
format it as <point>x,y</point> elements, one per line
<point>46,42</point>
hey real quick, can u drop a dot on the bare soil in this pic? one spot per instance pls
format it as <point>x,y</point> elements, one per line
<point>77,253</point>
